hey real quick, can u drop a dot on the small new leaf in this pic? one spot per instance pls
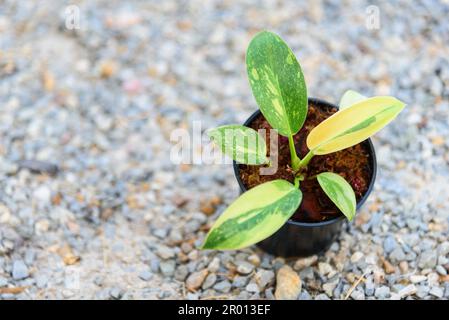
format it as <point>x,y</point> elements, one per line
<point>349,98</point>
<point>354,124</point>
<point>340,192</point>
<point>254,216</point>
<point>277,82</point>
<point>241,143</point>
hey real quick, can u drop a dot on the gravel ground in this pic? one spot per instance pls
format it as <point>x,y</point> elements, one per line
<point>91,206</point>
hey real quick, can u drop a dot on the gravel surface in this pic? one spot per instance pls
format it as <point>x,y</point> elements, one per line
<point>91,206</point>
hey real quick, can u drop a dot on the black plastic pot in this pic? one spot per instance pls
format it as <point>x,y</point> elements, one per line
<point>301,239</point>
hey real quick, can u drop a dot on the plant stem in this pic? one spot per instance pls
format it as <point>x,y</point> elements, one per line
<point>295,159</point>
<point>297,180</point>
<point>305,161</point>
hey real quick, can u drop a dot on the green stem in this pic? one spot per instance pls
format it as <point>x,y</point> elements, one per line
<point>305,161</point>
<point>295,159</point>
<point>297,180</point>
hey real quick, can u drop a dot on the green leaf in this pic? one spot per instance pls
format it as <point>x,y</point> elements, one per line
<point>254,216</point>
<point>349,98</point>
<point>241,143</point>
<point>339,191</point>
<point>277,82</point>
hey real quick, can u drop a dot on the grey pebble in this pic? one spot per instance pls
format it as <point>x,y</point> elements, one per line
<point>167,267</point>
<point>437,292</point>
<point>428,259</point>
<point>252,287</point>
<point>181,272</point>
<point>244,267</point>
<point>382,292</point>
<point>389,244</point>
<point>223,286</point>
<point>37,166</point>
<point>209,281</point>
<point>19,270</point>
<point>116,293</point>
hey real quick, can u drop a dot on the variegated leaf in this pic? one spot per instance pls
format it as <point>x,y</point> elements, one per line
<point>254,216</point>
<point>339,191</point>
<point>241,143</point>
<point>354,124</point>
<point>349,98</point>
<point>277,82</point>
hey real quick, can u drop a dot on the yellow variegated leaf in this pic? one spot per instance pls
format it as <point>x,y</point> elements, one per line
<point>339,191</point>
<point>277,82</point>
<point>254,216</point>
<point>241,143</point>
<point>354,124</point>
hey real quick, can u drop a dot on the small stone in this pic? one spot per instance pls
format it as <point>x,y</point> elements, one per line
<point>433,279</point>
<point>397,255</point>
<point>167,267</point>
<point>41,281</point>
<point>304,295</point>
<point>196,279</point>
<point>356,256</point>
<point>214,265</point>
<point>223,286</point>
<point>288,284</point>
<point>403,266</point>
<point>264,278</point>
<point>42,194</point>
<point>382,292</point>
<point>145,275</point>
<point>441,270</point>
<point>428,259</point>
<point>388,267</point>
<point>322,296</point>
<point>406,291</point>
<point>19,270</point>
<point>325,268</point>
<point>244,267</point>
<point>369,286</point>
<point>305,262</point>
<point>358,294</point>
<point>422,291</point>
<point>165,252</point>
<point>186,247</point>
<point>307,273</point>
<point>107,68</point>
<point>3,282</point>
<point>329,286</point>
<point>417,278</point>
<point>437,292</point>
<point>239,281</point>
<point>252,287</point>
<point>36,166</point>
<point>389,244</point>
<point>181,273</point>
<point>254,260</point>
<point>209,281</point>
<point>207,208</point>
<point>116,293</point>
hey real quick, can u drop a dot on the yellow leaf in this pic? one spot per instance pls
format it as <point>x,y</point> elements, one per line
<point>353,125</point>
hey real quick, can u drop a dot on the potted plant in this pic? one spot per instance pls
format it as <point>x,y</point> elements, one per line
<point>323,168</point>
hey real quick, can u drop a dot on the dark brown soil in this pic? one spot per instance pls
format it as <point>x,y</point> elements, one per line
<point>351,163</point>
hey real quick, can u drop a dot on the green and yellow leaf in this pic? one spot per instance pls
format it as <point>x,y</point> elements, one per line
<point>277,82</point>
<point>349,98</point>
<point>254,216</point>
<point>339,191</point>
<point>241,143</point>
<point>354,124</point>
